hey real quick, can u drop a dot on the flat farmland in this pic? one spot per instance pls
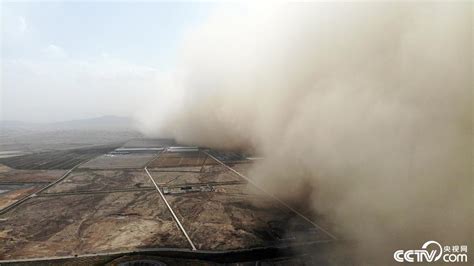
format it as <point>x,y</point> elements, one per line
<point>102,180</point>
<point>212,174</point>
<point>149,143</point>
<point>18,184</point>
<point>182,159</point>
<point>119,161</point>
<point>236,218</point>
<point>227,213</point>
<point>109,203</point>
<point>81,224</point>
<point>30,176</point>
<point>60,159</point>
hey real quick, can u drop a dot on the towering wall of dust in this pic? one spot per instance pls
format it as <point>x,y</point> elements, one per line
<point>368,106</point>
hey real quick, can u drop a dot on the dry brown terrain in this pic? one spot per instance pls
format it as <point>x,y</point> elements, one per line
<point>182,159</point>
<point>17,184</point>
<point>80,224</point>
<point>110,204</point>
<point>119,161</point>
<point>15,192</point>
<point>211,174</point>
<point>25,176</point>
<point>102,180</point>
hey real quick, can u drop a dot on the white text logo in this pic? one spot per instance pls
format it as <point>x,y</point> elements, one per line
<point>432,251</point>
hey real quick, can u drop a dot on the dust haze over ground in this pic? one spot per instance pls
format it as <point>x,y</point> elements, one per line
<point>366,106</point>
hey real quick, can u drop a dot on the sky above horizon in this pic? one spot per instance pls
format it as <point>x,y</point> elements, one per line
<point>76,60</point>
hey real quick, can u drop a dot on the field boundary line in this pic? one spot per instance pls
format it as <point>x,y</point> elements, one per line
<point>172,212</point>
<point>273,197</point>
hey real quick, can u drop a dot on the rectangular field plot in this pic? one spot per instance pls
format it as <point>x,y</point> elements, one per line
<point>230,218</point>
<point>215,174</point>
<point>61,159</point>
<point>102,180</point>
<point>185,160</point>
<point>148,143</point>
<point>119,161</point>
<point>82,224</point>
<point>227,156</point>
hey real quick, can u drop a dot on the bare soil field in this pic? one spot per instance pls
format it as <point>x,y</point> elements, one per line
<point>17,184</point>
<point>182,159</point>
<point>27,176</point>
<point>213,174</point>
<point>60,159</point>
<point>97,180</point>
<point>79,224</point>
<point>227,156</point>
<point>148,143</point>
<point>119,161</point>
<point>109,204</point>
<point>230,218</point>
<point>54,139</point>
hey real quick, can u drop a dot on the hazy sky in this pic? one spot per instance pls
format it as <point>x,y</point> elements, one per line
<point>64,61</point>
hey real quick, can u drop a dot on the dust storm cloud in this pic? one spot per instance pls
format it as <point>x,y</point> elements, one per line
<point>367,106</point>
